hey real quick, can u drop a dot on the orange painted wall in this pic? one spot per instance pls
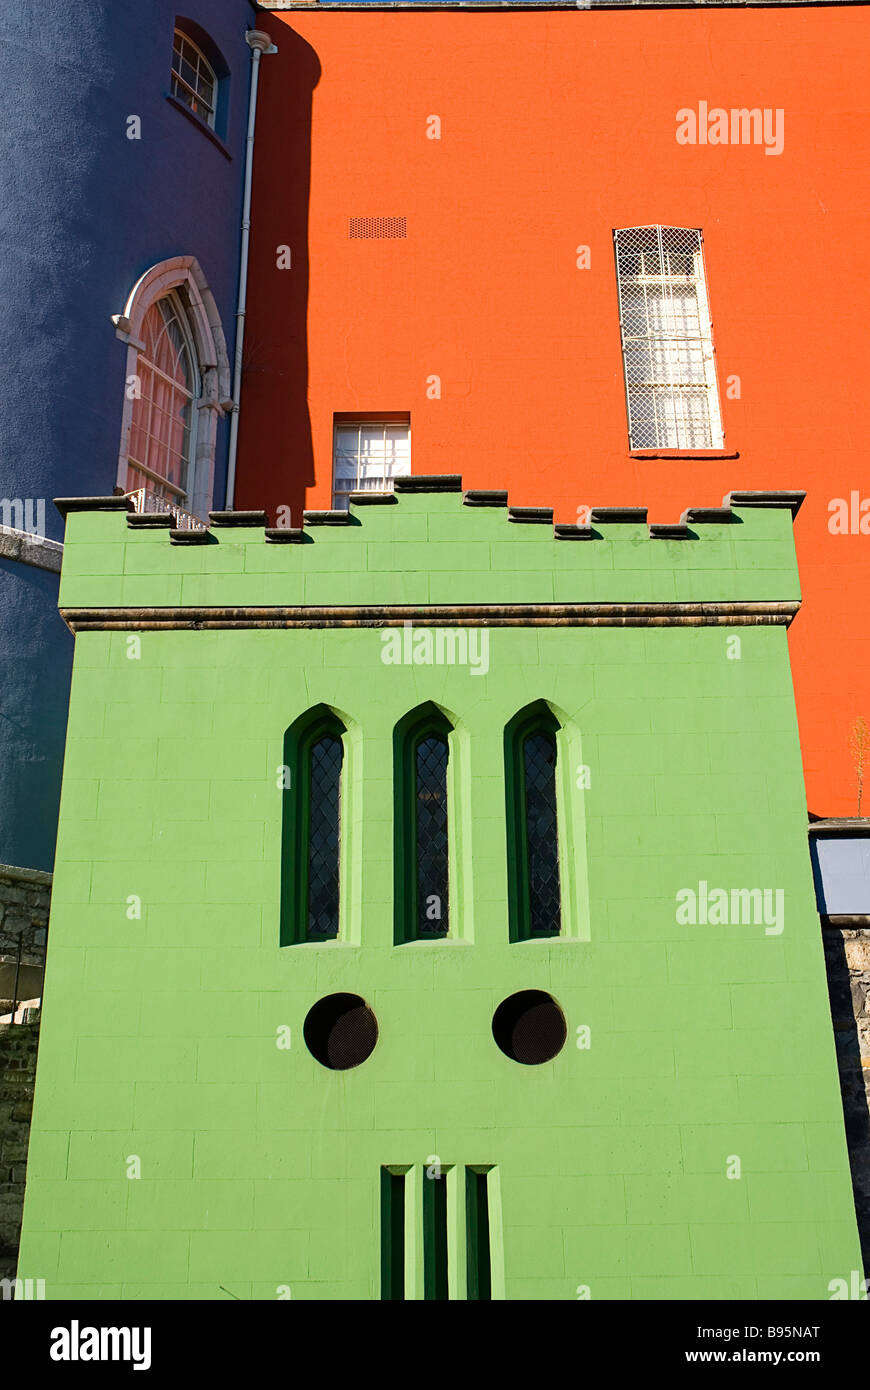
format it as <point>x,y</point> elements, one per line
<point>558,126</point>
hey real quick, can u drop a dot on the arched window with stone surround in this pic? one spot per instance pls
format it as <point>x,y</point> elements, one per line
<point>162,430</point>
<point>177,388</point>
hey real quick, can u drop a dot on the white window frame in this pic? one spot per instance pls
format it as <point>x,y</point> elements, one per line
<point>673,429</point>
<point>181,274</point>
<point>202,62</point>
<point>369,422</point>
<point>179,309</point>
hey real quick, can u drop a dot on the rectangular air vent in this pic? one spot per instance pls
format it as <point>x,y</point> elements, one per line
<point>377,228</point>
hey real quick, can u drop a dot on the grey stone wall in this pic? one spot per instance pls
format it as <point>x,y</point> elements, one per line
<point>847,956</point>
<point>25,895</point>
<point>18,1044</point>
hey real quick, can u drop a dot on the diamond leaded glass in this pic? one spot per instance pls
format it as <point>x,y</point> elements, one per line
<point>431,805</point>
<point>542,847</point>
<point>324,836</point>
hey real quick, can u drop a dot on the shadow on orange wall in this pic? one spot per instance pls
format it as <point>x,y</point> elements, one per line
<point>555,127</point>
<point>275,386</point>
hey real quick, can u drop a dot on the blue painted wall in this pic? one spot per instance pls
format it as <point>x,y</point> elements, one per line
<point>83,212</point>
<point>35,663</point>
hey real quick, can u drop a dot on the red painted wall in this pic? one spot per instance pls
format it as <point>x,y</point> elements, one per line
<point>558,126</point>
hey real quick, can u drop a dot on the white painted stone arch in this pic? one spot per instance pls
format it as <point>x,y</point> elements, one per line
<point>215,399</point>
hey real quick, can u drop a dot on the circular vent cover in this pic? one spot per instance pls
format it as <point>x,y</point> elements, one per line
<point>340,1031</point>
<point>529,1027</point>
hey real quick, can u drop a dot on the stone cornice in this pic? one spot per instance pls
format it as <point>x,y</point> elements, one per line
<point>724,614</point>
<point>848,827</point>
<point>40,877</point>
<point>28,549</point>
<point>429,554</point>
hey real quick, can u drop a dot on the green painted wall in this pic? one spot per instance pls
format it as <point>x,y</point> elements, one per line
<point>260,1169</point>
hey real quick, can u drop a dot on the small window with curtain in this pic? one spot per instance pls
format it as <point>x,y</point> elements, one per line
<point>671,392</point>
<point>368,455</point>
<point>534,880</point>
<point>422,846</point>
<point>193,80</point>
<point>311,855</point>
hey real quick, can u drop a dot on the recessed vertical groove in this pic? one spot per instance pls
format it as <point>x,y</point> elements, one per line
<point>435,1283</point>
<point>477,1236</point>
<point>392,1235</point>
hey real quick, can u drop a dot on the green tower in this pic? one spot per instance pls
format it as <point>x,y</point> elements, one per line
<point>433,916</point>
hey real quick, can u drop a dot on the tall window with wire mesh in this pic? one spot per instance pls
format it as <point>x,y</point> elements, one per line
<point>534,880</point>
<point>671,392</point>
<point>311,856</point>
<point>421,750</point>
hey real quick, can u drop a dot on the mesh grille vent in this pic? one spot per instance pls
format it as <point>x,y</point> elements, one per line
<point>340,1031</point>
<point>352,1038</point>
<point>377,228</point>
<point>529,1027</point>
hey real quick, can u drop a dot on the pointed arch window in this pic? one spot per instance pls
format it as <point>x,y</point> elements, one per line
<point>422,847</point>
<point>162,433</point>
<point>177,390</point>
<point>311,858</point>
<point>534,879</point>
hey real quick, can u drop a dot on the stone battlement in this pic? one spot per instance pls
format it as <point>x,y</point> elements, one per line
<point>459,556</point>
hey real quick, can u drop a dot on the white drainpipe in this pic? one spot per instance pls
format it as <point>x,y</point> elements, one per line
<point>259,43</point>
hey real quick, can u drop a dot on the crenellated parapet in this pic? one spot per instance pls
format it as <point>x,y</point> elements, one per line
<point>432,553</point>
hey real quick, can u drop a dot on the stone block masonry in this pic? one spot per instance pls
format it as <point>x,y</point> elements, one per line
<point>847,960</point>
<point>25,895</point>
<point>18,1045</point>
<point>187,1138</point>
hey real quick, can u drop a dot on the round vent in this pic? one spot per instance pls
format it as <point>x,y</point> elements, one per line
<point>529,1027</point>
<point>340,1031</point>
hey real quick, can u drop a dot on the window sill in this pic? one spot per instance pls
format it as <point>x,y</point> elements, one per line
<point>332,944</point>
<point>200,125</point>
<point>428,942</point>
<point>558,939</point>
<point>683,454</point>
